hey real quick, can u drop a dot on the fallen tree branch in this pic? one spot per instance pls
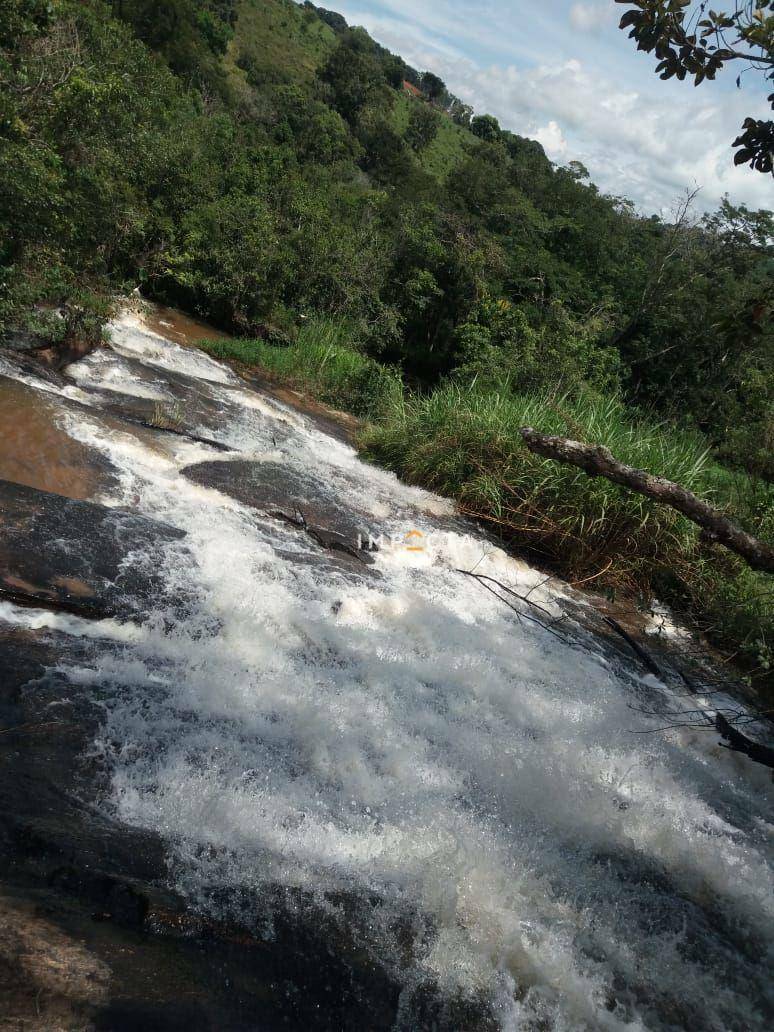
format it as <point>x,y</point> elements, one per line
<point>598,461</point>
<point>635,646</point>
<point>741,743</point>
<point>484,581</point>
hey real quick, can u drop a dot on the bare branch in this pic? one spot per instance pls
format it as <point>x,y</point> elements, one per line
<point>598,461</point>
<point>741,743</point>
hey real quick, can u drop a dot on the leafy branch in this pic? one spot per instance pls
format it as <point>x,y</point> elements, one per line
<point>690,40</point>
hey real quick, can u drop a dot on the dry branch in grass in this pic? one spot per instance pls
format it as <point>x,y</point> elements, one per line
<point>598,461</point>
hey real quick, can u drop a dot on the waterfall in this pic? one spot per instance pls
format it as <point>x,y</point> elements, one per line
<point>478,803</point>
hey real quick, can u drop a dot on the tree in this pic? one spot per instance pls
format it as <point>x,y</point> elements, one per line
<point>461,113</point>
<point>354,75</point>
<point>433,87</point>
<point>422,128</point>
<point>318,134</point>
<point>189,34</point>
<point>689,40</point>
<point>19,20</point>
<point>332,18</point>
<point>486,127</point>
<point>396,71</point>
<point>385,156</point>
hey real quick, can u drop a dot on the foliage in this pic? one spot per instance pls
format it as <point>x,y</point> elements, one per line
<point>422,127</point>
<point>486,127</point>
<point>322,361</point>
<point>92,138</point>
<point>336,21</point>
<point>465,443</point>
<point>355,76</point>
<point>189,34</point>
<point>433,87</point>
<point>689,40</point>
<point>500,348</point>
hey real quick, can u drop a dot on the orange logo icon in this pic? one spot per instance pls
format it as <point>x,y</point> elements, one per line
<point>415,541</point>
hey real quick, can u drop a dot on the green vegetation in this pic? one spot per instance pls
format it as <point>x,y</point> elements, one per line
<point>278,42</point>
<point>261,164</point>
<point>689,40</point>
<point>465,444</point>
<point>445,151</point>
<point>322,362</point>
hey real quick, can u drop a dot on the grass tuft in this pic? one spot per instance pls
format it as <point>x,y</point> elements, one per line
<point>321,362</point>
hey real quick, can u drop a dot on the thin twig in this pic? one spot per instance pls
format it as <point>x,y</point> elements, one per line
<point>27,728</point>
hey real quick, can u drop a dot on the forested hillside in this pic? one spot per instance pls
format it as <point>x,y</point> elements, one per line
<point>265,166</point>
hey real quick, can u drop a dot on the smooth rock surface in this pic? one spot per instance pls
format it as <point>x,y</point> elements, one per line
<point>73,555</point>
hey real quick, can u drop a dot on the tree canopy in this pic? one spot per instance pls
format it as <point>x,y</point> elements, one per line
<point>253,190</point>
<point>689,40</point>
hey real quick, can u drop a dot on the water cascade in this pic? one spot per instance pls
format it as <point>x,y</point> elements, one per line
<point>372,739</point>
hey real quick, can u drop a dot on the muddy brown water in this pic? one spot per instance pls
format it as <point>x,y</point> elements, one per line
<point>178,327</point>
<point>36,451</point>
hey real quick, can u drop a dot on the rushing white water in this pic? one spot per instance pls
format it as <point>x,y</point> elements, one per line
<point>405,737</point>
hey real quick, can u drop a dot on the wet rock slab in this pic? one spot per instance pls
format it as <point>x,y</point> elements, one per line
<point>35,450</point>
<point>175,400</point>
<point>42,351</point>
<point>90,937</point>
<point>72,555</point>
<point>298,499</point>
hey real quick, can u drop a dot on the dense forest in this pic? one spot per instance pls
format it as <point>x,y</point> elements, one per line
<point>264,165</point>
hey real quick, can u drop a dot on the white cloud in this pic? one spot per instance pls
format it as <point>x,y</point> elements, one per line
<point>589,97</point>
<point>552,139</point>
<point>591,17</point>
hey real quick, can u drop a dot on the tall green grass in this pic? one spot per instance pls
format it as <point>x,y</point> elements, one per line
<point>321,362</point>
<point>466,445</point>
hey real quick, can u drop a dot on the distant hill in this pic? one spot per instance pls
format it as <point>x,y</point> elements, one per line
<point>281,41</point>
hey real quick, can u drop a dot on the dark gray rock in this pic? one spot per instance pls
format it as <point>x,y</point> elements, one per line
<point>64,554</point>
<point>91,936</point>
<point>298,499</point>
<point>24,341</point>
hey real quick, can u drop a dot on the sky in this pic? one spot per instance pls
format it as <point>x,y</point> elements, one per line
<point>563,73</point>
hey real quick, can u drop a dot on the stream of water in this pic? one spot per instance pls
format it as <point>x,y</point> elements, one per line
<point>396,736</point>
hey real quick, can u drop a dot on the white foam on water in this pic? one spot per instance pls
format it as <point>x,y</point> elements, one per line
<point>662,622</point>
<point>75,626</point>
<point>39,383</point>
<point>131,336</point>
<point>409,738</point>
<point>254,428</point>
<point>271,407</point>
<point>107,370</point>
